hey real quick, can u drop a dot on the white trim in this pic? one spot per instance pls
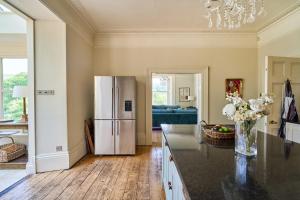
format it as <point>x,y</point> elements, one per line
<point>204,103</point>
<point>286,24</point>
<point>52,161</point>
<point>196,40</point>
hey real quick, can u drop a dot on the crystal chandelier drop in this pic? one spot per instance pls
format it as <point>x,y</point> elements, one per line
<point>231,14</point>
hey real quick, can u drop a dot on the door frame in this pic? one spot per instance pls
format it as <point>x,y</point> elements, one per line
<point>268,84</point>
<point>204,71</point>
<point>31,163</point>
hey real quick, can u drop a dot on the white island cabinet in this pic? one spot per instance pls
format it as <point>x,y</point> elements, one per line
<point>170,178</point>
<point>293,132</point>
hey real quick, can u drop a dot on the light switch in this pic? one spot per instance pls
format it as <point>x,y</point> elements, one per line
<point>45,92</point>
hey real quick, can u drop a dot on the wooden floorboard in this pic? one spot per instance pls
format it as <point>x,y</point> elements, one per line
<point>99,177</point>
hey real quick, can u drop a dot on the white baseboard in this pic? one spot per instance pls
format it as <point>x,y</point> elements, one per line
<point>52,161</point>
<point>77,152</point>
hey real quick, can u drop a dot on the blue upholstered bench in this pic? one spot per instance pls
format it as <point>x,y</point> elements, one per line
<point>166,114</point>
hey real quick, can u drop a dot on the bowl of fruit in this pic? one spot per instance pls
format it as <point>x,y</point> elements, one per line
<point>219,131</point>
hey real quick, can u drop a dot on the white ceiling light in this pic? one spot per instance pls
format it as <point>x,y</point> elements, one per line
<point>230,14</point>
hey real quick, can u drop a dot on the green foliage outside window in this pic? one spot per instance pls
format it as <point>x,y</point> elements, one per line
<point>13,107</point>
<point>159,98</point>
<point>159,91</point>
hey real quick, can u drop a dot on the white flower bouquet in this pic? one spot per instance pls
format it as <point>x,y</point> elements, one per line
<point>240,110</point>
<point>245,114</point>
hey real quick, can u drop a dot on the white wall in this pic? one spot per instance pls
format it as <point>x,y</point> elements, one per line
<point>79,75</point>
<point>126,55</point>
<point>184,80</point>
<point>63,52</point>
<point>51,110</point>
<point>80,91</point>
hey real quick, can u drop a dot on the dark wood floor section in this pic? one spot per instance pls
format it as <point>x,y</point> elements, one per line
<point>102,177</point>
<point>19,163</point>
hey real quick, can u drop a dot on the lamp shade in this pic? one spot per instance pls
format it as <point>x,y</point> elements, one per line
<point>20,91</point>
<point>191,98</point>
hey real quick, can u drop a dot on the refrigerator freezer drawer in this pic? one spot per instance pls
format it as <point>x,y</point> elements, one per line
<point>104,137</point>
<point>125,137</point>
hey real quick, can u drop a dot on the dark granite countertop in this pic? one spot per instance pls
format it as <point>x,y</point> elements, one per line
<point>212,171</point>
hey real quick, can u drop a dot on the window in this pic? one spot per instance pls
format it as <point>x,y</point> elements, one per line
<point>14,72</point>
<point>161,90</point>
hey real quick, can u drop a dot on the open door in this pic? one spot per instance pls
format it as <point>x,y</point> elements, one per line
<point>279,69</point>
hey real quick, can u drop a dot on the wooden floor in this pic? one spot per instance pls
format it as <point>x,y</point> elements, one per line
<point>105,177</point>
<point>156,137</point>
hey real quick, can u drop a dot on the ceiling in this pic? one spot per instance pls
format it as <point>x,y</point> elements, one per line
<point>163,15</point>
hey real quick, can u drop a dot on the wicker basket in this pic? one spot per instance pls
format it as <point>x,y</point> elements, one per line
<point>11,151</point>
<point>209,132</point>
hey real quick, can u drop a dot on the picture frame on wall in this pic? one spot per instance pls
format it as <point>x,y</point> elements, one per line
<point>234,85</point>
<point>184,92</point>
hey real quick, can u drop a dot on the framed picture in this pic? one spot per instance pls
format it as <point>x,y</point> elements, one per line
<point>184,92</point>
<point>234,85</point>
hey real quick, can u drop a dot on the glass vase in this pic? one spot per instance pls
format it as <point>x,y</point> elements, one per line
<point>246,138</point>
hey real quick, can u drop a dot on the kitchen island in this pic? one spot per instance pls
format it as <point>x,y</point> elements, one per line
<point>195,167</point>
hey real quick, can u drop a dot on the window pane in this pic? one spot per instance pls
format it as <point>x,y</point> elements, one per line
<point>14,73</point>
<point>159,98</point>
<point>159,84</point>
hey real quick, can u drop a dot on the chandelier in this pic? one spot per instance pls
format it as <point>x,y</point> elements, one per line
<point>231,14</point>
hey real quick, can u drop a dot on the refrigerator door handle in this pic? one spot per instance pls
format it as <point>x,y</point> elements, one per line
<point>118,128</point>
<point>112,105</point>
<point>117,99</point>
<point>112,130</point>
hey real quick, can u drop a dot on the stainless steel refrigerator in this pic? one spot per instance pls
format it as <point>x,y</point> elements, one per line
<point>115,103</point>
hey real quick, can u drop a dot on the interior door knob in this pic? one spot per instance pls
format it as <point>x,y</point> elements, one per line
<point>273,122</point>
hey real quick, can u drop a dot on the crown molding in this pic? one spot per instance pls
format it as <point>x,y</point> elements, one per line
<point>286,24</point>
<point>279,15</point>
<point>192,40</point>
<point>82,13</point>
<point>70,16</point>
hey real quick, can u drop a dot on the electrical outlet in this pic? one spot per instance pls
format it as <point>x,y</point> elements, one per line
<point>58,148</point>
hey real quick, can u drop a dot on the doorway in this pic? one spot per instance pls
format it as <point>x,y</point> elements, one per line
<point>174,101</point>
<point>279,69</point>
<point>17,95</point>
<point>173,92</point>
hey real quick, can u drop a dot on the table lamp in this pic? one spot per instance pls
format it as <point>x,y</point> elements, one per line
<point>21,91</point>
<point>190,98</point>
